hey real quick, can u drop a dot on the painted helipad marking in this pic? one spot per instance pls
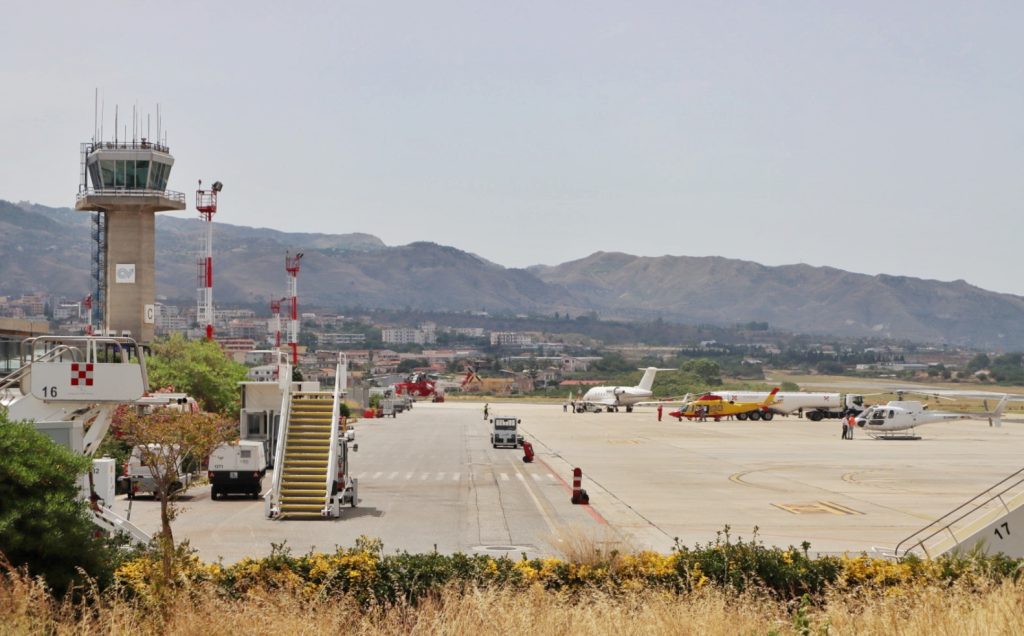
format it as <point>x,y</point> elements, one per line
<point>817,507</point>
<point>737,478</point>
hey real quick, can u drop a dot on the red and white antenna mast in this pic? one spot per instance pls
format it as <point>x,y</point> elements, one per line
<point>87,304</point>
<point>275,321</point>
<point>206,205</point>
<point>291,265</point>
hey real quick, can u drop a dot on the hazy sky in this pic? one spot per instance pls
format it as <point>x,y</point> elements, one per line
<point>869,136</point>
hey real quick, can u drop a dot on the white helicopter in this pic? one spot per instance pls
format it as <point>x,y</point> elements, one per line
<point>888,421</point>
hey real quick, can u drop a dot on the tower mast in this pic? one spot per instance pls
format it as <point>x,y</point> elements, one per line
<point>291,265</point>
<point>206,205</point>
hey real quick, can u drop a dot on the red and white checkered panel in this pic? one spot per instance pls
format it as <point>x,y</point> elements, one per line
<point>81,374</point>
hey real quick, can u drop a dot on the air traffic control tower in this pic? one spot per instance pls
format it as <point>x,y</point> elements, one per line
<point>125,184</point>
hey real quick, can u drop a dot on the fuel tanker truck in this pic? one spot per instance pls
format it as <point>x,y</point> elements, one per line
<point>813,406</point>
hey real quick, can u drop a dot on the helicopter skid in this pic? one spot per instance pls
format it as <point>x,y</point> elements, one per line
<point>904,437</point>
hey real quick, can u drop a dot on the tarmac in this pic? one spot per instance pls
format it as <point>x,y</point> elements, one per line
<point>429,479</point>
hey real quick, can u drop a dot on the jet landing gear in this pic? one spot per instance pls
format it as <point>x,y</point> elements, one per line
<point>629,409</point>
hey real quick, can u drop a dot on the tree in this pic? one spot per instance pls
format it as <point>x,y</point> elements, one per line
<point>410,364</point>
<point>978,362</point>
<point>44,524</point>
<point>199,368</point>
<point>704,370</point>
<point>167,440</point>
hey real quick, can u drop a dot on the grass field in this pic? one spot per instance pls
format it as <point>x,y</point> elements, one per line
<point>27,608</point>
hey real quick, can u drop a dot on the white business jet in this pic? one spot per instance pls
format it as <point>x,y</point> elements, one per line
<point>610,398</point>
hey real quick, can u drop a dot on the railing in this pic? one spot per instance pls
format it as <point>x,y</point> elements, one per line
<point>143,144</point>
<point>177,197</point>
<point>87,346</point>
<point>9,381</point>
<point>945,522</point>
<point>332,457</point>
<point>274,496</point>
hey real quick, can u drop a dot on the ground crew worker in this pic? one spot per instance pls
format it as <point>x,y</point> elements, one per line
<point>852,422</point>
<point>485,411</point>
<point>659,412</point>
<point>846,429</point>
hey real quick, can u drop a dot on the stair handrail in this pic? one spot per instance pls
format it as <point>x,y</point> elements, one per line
<point>948,524</point>
<point>282,435</point>
<point>15,376</point>
<point>332,457</point>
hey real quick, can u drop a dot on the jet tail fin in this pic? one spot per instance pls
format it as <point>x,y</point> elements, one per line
<point>995,418</point>
<point>647,381</point>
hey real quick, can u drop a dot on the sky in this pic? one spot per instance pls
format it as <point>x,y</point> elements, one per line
<point>875,137</point>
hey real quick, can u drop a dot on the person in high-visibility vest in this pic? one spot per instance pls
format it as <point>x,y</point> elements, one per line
<point>851,423</point>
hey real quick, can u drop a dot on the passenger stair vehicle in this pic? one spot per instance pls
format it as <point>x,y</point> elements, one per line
<point>311,478</point>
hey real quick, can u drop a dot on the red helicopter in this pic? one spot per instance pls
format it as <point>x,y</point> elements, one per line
<point>416,385</point>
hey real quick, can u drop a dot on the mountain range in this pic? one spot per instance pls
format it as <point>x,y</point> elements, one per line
<point>49,249</point>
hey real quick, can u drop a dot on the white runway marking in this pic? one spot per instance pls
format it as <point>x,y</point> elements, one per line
<point>424,476</point>
<point>440,476</point>
<point>408,475</point>
<point>361,475</point>
<point>377,475</point>
<point>535,476</point>
<point>393,475</point>
<point>504,477</point>
<point>455,476</point>
<point>520,477</point>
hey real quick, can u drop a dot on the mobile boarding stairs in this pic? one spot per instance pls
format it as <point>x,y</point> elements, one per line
<point>992,522</point>
<point>311,459</point>
<point>69,387</point>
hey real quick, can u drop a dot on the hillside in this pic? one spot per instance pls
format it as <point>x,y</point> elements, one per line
<point>797,298</point>
<point>49,249</point>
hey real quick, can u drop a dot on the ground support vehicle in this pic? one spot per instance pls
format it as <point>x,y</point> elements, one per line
<point>70,387</point>
<point>505,432</point>
<point>139,477</point>
<point>813,406</point>
<point>237,468</point>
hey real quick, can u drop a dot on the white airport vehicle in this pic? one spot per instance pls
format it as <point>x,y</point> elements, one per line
<point>237,468</point>
<point>140,477</point>
<point>505,432</point>
<point>813,406</point>
<point>892,420</point>
<point>610,398</point>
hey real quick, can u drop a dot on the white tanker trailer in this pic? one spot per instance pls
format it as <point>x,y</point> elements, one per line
<point>813,406</point>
